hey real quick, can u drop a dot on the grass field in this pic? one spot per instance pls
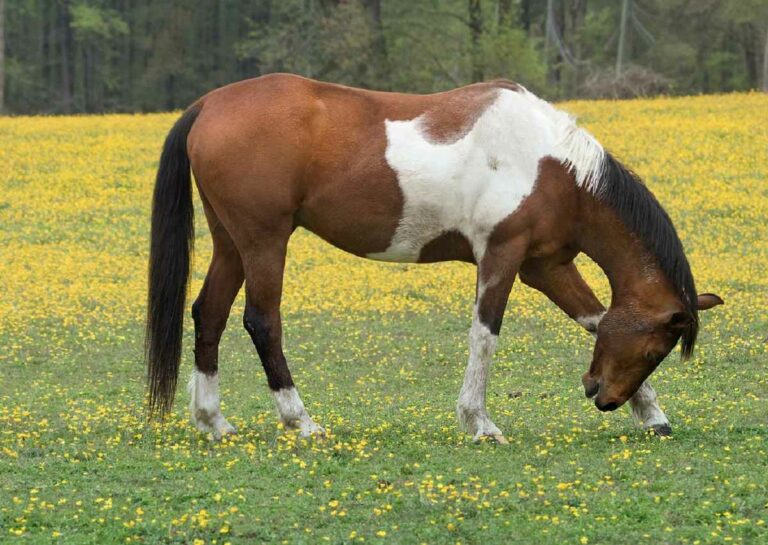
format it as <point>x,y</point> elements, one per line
<point>378,352</point>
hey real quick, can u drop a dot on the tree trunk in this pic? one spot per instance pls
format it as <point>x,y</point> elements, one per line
<point>97,80</point>
<point>86,60</point>
<point>381,58</point>
<point>622,36</point>
<point>559,26</point>
<point>170,92</point>
<point>525,15</point>
<point>505,7</point>
<point>67,59</point>
<point>476,32</point>
<point>547,33</point>
<point>748,37</point>
<point>126,57</point>
<point>578,15</point>
<point>220,43</point>
<point>49,56</point>
<point>765,63</point>
<point>2,56</point>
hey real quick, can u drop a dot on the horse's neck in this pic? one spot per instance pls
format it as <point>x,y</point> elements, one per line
<point>631,270</point>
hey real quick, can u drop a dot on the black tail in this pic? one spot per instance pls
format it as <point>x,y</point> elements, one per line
<point>171,243</point>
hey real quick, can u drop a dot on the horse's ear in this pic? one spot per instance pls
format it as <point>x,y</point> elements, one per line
<point>708,300</point>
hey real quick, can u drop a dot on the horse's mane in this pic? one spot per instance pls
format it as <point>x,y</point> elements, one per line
<point>621,189</point>
<point>598,172</point>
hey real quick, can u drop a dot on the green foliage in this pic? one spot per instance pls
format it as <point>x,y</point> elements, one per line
<point>509,53</point>
<point>140,55</point>
<point>93,23</point>
<point>302,38</point>
<point>429,47</point>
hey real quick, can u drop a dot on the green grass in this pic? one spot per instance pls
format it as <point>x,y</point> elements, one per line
<point>378,352</point>
<point>385,388</point>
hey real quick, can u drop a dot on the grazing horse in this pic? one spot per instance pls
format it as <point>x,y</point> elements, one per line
<point>488,174</point>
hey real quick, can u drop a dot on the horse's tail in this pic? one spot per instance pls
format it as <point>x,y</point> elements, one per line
<point>172,239</point>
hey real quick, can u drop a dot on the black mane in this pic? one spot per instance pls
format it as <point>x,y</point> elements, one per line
<point>638,209</point>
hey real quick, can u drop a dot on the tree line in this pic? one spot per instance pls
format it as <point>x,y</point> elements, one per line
<point>64,56</point>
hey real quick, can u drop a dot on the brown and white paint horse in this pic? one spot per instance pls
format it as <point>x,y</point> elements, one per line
<point>487,174</point>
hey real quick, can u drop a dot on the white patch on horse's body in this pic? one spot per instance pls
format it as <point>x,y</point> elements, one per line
<point>590,323</point>
<point>470,409</point>
<point>292,413</point>
<point>645,408</point>
<point>204,404</point>
<point>472,184</point>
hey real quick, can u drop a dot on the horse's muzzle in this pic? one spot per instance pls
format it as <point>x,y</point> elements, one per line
<point>610,406</point>
<point>592,391</point>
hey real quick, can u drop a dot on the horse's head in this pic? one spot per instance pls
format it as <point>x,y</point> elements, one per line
<point>631,342</point>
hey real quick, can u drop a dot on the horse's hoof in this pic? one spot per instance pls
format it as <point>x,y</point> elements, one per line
<point>497,438</point>
<point>662,430</point>
<point>312,431</point>
<point>225,430</point>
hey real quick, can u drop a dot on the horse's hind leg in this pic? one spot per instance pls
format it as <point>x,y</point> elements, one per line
<point>264,263</point>
<point>210,312</point>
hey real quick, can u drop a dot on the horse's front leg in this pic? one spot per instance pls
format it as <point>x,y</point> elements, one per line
<point>563,285</point>
<point>646,411</point>
<point>495,276</point>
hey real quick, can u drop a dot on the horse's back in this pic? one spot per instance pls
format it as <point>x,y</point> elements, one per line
<point>290,112</point>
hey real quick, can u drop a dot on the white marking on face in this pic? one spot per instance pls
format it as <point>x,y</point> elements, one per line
<point>645,407</point>
<point>205,406</point>
<point>292,413</point>
<point>470,408</point>
<point>590,323</point>
<point>472,184</point>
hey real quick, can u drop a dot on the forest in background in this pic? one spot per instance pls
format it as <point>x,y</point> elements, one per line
<point>69,56</point>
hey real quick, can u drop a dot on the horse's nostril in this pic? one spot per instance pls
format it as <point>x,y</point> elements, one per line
<point>591,386</point>
<point>591,389</point>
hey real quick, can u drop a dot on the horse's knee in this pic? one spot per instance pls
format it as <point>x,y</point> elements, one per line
<point>209,319</point>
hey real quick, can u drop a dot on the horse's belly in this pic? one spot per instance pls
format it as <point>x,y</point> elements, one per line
<point>429,234</point>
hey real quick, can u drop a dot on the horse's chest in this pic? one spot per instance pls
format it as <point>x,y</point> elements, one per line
<point>468,186</point>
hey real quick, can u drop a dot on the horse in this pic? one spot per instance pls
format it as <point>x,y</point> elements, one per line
<point>488,174</point>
